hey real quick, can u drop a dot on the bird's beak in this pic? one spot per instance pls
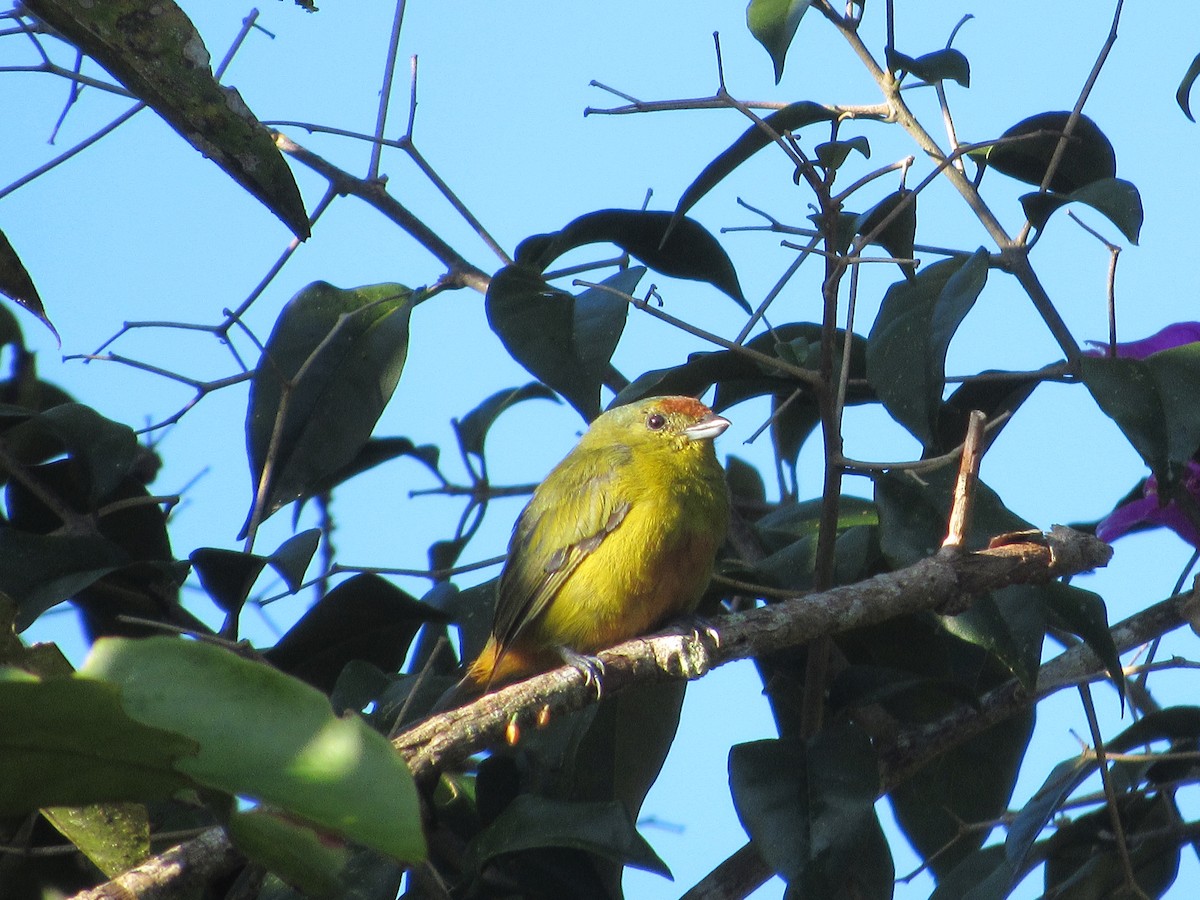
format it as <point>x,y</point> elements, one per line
<point>707,428</point>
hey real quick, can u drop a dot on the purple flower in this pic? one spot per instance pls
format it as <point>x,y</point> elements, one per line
<point>1149,509</point>
<point>1175,335</point>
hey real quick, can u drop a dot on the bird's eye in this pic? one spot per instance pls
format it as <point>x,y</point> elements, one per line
<point>655,422</point>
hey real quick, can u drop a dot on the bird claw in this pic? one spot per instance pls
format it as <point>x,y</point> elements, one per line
<point>700,628</point>
<point>590,667</point>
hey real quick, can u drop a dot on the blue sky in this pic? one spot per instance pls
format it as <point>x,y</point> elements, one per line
<point>140,227</point>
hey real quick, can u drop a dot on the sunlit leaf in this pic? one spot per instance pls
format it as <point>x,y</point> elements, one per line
<point>773,24</point>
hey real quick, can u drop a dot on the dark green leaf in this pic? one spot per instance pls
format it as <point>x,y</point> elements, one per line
<point>973,782</point>
<point>472,429</point>
<point>1029,146</point>
<point>1010,625</point>
<point>1184,92</point>
<point>745,482</point>
<point>292,557</point>
<point>1172,723</point>
<point>529,821</point>
<point>998,394</point>
<point>680,248</point>
<point>373,453</point>
<point>156,52</point>
<point>791,118</point>
<point>227,575</point>
<point>41,571</point>
<point>906,351</point>
<point>363,618</point>
<point>897,214</point>
<point>939,65</point>
<point>16,284</point>
<point>276,739</point>
<point>982,875</point>
<point>1084,614</point>
<point>1154,401</point>
<point>808,807</point>
<point>1042,806</point>
<point>773,24</point>
<point>832,154</point>
<point>1116,199</point>
<point>326,373</point>
<point>864,685</point>
<point>565,341</point>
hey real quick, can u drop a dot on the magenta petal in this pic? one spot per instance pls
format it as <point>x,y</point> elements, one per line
<point>1125,518</point>
<point>1174,335</point>
<point>1172,517</point>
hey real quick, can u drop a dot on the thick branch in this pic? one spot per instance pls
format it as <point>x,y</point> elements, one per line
<point>946,579</point>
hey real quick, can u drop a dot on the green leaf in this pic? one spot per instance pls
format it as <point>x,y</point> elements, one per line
<point>41,571</point>
<point>1154,401</point>
<point>1184,91</point>
<point>1010,624</point>
<point>50,754</point>
<point>680,248</point>
<point>1028,147</point>
<point>227,575</point>
<point>1036,814</point>
<point>302,856</point>
<point>940,65</point>
<point>1115,199</point>
<point>900,230</point>
<point>326,373</point>
<point>832,154</point>
<point>156,52</point>
<point>972,782</point>
<point>114,836</point>
<point>982,875</point>
<point>531,822</point>
<point>1084,614</point>
<point>809,808</point>
<point>906,351</point>
<point>16,284</point>
<point>791,118</point>
<point>363,618</point>
<point>773,24</point>
<point>291,559</point>
<point>472,429</point>
<point>276,739</point>
<point>565,341</point>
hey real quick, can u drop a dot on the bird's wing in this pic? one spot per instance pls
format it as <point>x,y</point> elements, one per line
<point>566,520</point>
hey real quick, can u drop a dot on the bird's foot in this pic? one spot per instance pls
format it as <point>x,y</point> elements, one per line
<point>590,667</point>
<point>700,628</point>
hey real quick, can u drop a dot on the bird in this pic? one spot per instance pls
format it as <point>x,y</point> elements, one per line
<point>620,538</point>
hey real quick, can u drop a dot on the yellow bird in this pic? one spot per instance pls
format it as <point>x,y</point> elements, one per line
<point>619,539</point>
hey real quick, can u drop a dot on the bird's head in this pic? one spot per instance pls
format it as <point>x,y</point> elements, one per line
<point>674,423</point>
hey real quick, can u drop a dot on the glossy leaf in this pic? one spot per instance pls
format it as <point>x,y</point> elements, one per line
<point>791,118</point>
<point>154,50</point>
<point>897,214</point>
<point>1030,144</point>
<point>276,739</point>
<point>773,24</point>
<point>530,822</point>
<point>940,65</point>
<point>325,376</point>
<point>680,248</point>
<point>971,782</point>
<point>1154,401</point>
<point>1184,92</point>
<point>565,341</point>
<point>41,571</point>
<point>906,351</point>
<point>1117,200</point>
<point>809,807</point>
<point>16,284</point>
<point>291,559</point>
<point>832,154</point>
<point>472,429</point>
<point>364,618</point>
<point>227,575</point>
<point>1084,615</point>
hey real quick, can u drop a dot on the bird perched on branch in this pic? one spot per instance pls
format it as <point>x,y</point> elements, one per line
<point>619,539</point>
